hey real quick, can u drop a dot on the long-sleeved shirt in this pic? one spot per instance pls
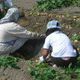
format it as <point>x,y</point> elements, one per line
<point>13,36</point>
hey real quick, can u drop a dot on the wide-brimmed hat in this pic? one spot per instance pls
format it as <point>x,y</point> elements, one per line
<point>12,15</point>
<point>53,24</point>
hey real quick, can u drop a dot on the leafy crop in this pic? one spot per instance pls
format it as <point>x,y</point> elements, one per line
<point>44,5</point>
<point>8,61</point>
<point>43,71</point>
<point>75,37</point>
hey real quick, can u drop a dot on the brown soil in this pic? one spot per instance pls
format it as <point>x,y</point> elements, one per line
<point>16,74</point>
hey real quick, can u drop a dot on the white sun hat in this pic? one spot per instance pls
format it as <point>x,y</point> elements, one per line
<point>12,15</point>
<point>53,24</point>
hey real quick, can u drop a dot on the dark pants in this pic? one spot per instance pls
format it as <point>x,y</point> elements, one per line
<point>64,63</point>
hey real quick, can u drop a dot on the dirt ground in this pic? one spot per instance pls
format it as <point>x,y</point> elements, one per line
<point>35,21</point>
<point>25,4</point>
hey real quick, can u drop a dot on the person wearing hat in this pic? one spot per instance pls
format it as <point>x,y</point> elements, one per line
<point>4,6</point>
<point>59,45</point>
<point>8,11</point>
<point>12,15</point>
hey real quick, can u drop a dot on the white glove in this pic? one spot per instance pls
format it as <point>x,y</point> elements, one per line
<point>41,59</point>
<point>42,35</point>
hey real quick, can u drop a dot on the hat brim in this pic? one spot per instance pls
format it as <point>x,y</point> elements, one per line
<point>51,27</point>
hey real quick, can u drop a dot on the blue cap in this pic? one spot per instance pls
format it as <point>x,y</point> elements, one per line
<point>53,24</point>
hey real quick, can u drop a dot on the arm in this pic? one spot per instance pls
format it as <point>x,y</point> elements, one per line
<point>32,35</point>
<point>45,50</point>
<point>19,31</point>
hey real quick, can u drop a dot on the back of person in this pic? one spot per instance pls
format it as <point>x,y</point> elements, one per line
<point>61,45</point>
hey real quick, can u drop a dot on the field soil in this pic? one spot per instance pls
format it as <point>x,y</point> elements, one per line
<point>36,21</point>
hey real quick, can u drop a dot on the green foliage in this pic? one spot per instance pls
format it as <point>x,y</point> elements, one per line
<point>8,61</point>
<point>44,5</point>
<point>43,71</point>
<point>75,37</point>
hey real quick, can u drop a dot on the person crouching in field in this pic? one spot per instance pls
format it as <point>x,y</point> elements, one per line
<point>58,46</point>
<point>13,36</point>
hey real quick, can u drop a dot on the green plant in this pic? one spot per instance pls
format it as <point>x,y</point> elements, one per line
<point>75,37</point>
<point>44,5</point>
<point>8,61</point>
<point>43,71</point>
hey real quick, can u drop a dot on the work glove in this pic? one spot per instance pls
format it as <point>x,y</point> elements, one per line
<point>41,59</point>
<point>43,36</point>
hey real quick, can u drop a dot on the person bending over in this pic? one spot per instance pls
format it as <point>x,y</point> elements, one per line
<point>13,36</point>
<point>58,45</point>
